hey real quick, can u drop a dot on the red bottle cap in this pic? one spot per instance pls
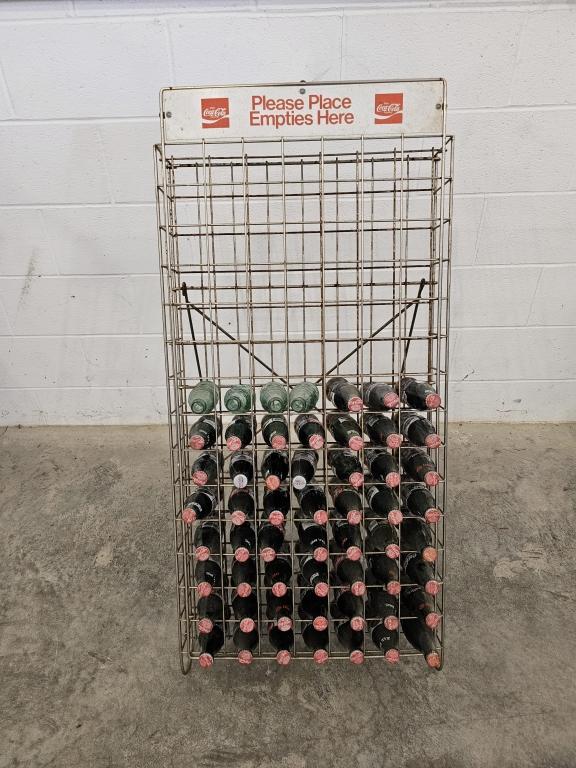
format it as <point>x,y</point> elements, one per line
<point>205,626</point>
<point>433,400</point>
<point>320,623</point>
<point>431,478</point>
<point>276,518</point>
<point>204,589</point>
<point>321,589</point>
<point>392,551</point>
<point>392,656</point>
<point>243,589</point>
<point>272,482</point>
<point>205,660</point>
<point>320,656</point>
<point>283,657</point>
<point>391,623</point>
<point>432,515</point>
<point>233,443</point>
<point>242,554</point>
<point>279,589</point>
<point>357,623</point>
<point>245,657</point>
<point>355,443</point>
<point>356,479</point>
<point>433,441</point>
<point>391,400</point>
<point>392,479</point>
<point>202,553</point>
<point>267,554</point>
<point>355,404</point>
<point>238,517</point>
<point>196,442</point>
<point>354,517</point>
<point>358,588</point>
<point>320,554</point>
<point>357,657</point>
<point>432,587</point>
<point>433,660</point>
<point>353,553</point>
<point>395,517</point>
<point>278,442</point>
<point>316,442</point>
<point>429,554</point>
<point>188,516</point>
<point>247,625</point>
<point>393,587</point>
<point>321,517</point>
<point>199,477</point>
<point>284,623</point>
<point>432,620</point>
<point>394,441</point>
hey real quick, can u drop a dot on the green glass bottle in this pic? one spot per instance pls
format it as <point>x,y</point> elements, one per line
<point>203,397</point>
<point>238,398</point>
<point>274,397</point>
<point>304,396</point>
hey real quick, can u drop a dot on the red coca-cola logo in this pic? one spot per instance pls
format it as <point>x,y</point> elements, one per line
<point>215,113</point>
<point>388,108</point>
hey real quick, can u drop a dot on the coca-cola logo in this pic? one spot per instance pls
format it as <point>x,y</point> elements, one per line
<point>215,113</point>
<point>388,108</point>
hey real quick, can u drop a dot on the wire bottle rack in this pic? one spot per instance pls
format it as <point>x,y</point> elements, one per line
<point>296,254</point>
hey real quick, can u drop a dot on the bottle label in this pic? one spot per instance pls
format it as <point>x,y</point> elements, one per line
<point>371,492</point>
<point>408,557</point>
<point>368,388</point>
<point>407,419</point>
<point>211,496</point>
<point>303,419</point>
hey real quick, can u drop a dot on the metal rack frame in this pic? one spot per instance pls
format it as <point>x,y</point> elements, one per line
<point>298,258</point>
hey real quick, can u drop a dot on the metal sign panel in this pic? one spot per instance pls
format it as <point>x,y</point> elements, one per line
<point>374,108</point>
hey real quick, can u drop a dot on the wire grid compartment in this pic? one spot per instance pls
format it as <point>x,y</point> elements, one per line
<point>298,259</point>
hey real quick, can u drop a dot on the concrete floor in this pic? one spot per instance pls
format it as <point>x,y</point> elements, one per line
<point>88,664</point>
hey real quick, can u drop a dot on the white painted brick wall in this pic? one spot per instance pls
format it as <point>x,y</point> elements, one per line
<point>80,328</point>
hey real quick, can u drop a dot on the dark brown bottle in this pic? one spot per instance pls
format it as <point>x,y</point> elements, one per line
<point>382,537</point>
<point>208,576</point>
<point>276,506</point>
<point>314,608</point>
<point>383,606</point>
<point>243,541</point>
<point>245,642</point>
<point>275,431</point>
<point>313,505</point>
<point>383,466</point>
<point>241,469</point>
<point>381,430</point>
<point>420,395</point>
<point>422,638</point>
<point>420,502</point>
<point>383,504</point>
<point>279,610</point>
<point>202,434</point>
<point>346,466</point>
<point>199,505</point>
<point>277,575</point>
<point>245,611</point>
<point>313,539</point>
<point>419,466</point>
<point>314,574</point>
<point>348,606</point>
<point>420,572</point>
<point>347,504</point>
<point>378,396</point>
<point>241,505</point>
<point>383,572</point>
<point>316,640</point>
<point>309,430</point>
<point>210,644</point>
<point>207,540</point>
<point>243,576</point>
<point>239,433</point>
<point>205,468</point>
<point>352,641</point>
<point>270,541</point>
<point>348,538</point>
<point>303,467</point>
<point>345,431</point>
<point>274,468</point>
<point>351,574</point>
<point>343,395</point>
<point>210,611</point>
<point>386,640</point>
<point>282,642</point>
<point>416,536</point>
<point>418,430</point>
<point>415,602</point>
